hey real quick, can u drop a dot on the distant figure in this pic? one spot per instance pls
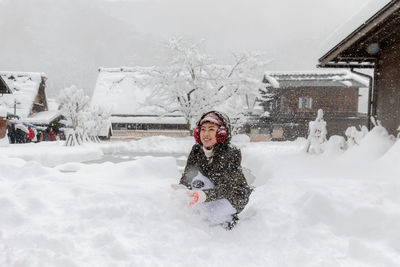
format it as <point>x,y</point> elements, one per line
<point>29,136</point>
<point>11,133</point>
<point>52,134</point>
<point>39,136</point>
<point>19,136</point>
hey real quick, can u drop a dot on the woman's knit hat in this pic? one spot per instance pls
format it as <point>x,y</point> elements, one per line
<point>213,118</point>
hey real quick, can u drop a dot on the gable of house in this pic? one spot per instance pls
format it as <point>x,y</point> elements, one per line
<point>3,87</point>
<point>357,43</point>
<point>375,44</point>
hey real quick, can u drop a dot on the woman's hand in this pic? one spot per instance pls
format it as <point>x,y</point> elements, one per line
<point>196,196</point>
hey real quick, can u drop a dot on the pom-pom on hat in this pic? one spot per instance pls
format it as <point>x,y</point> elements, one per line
<point>213,118</point>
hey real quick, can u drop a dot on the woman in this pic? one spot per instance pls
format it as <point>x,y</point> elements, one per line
<point>213,173</point>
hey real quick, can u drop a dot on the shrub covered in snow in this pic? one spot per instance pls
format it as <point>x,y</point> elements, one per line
<point>335,145</point>
<point>316,134</point>
<point>374,145</point>
<point>354,136</point>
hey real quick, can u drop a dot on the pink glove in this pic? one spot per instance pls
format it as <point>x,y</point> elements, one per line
<point>197,196</point>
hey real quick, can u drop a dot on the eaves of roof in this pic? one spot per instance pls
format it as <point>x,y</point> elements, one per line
<point>331,58</point>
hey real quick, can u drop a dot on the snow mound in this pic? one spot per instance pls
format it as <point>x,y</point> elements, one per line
<point>336,145</point>
<point>52,153</point>
<point>391,158</point>
<point>4,141</point>
<point>373,146</point>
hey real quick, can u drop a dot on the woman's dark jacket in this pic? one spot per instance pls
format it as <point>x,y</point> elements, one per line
<point>224,171</point>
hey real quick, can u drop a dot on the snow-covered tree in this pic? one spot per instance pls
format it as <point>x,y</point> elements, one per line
<point>73,103</point>
<point>193,83</point>
<point>97,120</point>
<point>316,134</point>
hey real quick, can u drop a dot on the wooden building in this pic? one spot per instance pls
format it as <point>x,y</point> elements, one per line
<point>374,42</point>
<point>3,111</point>
<point>3,121</point>
<point>293,99</point>
<point>122,92</point>
<point>23,97</point>
<point>23,93</point>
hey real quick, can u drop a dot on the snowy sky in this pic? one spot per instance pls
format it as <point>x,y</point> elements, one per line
<point>70,39</point>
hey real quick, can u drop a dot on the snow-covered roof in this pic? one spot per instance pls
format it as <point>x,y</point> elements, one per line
<point>52,104</point>
<point>44,117</point>
<point>353,24</point>
<point>148,119</point>
<point>24,87</point>
<point>315,78</point>
<point>123,91</point>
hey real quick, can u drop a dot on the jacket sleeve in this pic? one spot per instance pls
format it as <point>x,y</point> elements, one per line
<point>188,173</point>
<point>234,186</point>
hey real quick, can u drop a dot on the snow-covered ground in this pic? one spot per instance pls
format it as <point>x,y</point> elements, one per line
<point>335,209</point>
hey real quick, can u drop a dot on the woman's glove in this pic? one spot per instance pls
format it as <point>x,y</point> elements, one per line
<point>196,196</point>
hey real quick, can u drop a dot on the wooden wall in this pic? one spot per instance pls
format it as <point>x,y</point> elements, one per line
<point>337,101</point>
<point>387,86</point>
<point>3,127</point>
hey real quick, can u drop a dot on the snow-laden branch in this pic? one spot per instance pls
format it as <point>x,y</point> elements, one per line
<point>192,82</point>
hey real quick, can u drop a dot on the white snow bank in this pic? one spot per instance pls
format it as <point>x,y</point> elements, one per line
<point>373,146</point>
<point>309,210</point>
<point>390,160</point>
<point>162,144</point>
<point>4,141</point>
<point>52,153</point>
<point>336,145</point>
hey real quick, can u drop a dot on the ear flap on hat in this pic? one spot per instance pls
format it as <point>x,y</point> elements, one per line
<point>196,134</point>
<point>221,135</point>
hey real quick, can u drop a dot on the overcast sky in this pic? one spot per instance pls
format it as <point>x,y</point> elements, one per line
<point>70,39</point>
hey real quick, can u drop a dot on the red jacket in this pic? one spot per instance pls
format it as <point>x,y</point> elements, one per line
<point>30,134</point>
<point>52,135</point>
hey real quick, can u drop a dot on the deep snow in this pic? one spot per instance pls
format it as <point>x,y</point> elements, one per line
<point>334,209</point>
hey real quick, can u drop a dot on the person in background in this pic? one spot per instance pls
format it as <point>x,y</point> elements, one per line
<point>52,134</point>
<point>213,174</point>
<point>11,132</point>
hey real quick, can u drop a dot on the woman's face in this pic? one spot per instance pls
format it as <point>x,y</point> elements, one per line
<point>208,134</point>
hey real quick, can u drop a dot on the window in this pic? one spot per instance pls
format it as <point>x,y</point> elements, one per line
<point>119,126</point>
<point>305,103</point>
